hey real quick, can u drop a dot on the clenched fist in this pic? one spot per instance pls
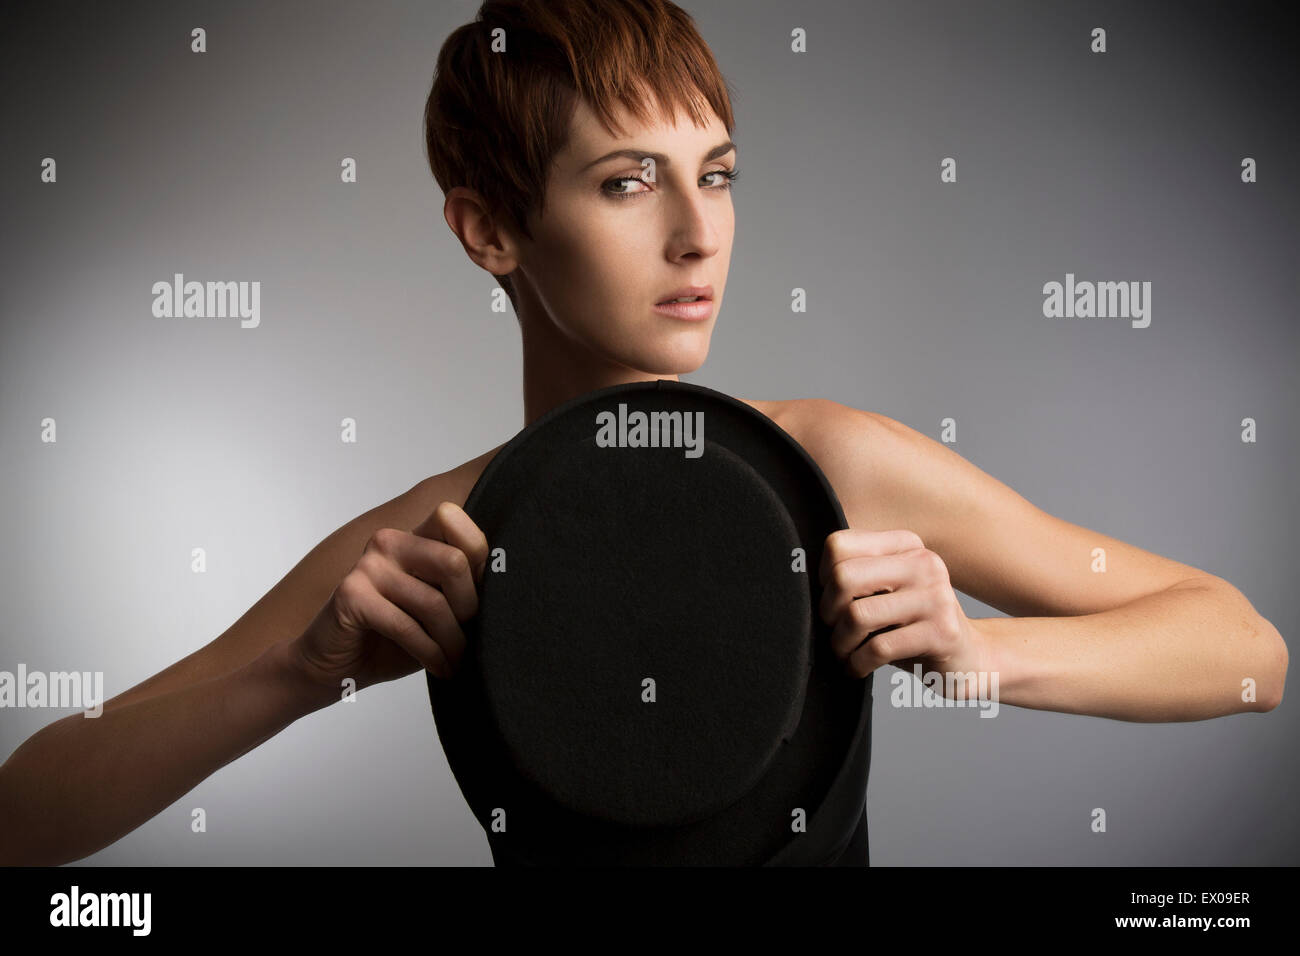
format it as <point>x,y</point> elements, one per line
<point>890,601</point>
<point>400,607</point>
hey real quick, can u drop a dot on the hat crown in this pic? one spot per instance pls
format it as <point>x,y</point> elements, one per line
<point>644,654</point>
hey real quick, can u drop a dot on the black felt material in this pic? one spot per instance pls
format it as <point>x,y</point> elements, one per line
<point>676,571</point>
<point>629,563</point>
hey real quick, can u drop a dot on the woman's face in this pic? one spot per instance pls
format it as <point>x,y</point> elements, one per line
<point>613,242</point>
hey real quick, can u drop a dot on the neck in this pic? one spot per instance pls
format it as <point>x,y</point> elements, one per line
<point>556,368</point>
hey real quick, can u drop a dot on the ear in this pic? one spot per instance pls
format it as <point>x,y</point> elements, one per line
<point>488,243</point>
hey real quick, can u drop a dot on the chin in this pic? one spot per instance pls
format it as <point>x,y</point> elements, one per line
<point>653,352</point>
<point>677,363</point>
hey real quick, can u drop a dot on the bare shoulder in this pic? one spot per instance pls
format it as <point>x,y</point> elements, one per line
<point>828,430</point>
<point>863,455</point>
<point>801,412</point>
<point>291,604</point>
<point>453,485</point>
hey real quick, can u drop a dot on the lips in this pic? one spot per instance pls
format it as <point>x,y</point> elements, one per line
<point>697,291</point>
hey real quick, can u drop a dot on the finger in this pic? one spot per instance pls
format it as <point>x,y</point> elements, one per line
<point>428,607</point>
<point>437,563</point>
<point>380,615</point>
<point>864,576</point>
<point>911,640</point>
<point>451,524</point>
<point>855,542</point>
<point>866,617</point>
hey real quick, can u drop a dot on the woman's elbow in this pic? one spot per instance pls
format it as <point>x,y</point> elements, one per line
<point>1275,677</point>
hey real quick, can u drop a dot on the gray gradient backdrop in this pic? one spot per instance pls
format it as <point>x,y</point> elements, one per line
<point>925,302</point>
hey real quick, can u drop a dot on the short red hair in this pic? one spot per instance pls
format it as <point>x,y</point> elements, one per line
<point>495,120</point>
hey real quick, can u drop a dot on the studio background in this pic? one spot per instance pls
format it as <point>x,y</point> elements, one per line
<point>924,302</point>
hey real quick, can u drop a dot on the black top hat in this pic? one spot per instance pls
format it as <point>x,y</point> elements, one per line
<point>647,680</point>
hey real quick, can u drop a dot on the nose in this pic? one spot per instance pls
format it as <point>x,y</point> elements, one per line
<point>695,221</point>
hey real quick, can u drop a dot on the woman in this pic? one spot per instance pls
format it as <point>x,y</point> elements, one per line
<point>586,156</point>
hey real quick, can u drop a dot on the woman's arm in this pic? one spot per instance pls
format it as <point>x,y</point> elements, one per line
<point>82,783</point>
<point>1189,652</point>
<point>1102,627</point>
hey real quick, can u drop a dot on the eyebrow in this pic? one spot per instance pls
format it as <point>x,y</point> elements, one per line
<point>660,159</point>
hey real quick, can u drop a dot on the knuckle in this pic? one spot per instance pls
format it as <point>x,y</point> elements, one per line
<point>457,562</point>
<point>860,613</point>
<point>840,577</point>
<point>436,602</point>
<point>932,565</point>
<point>882,647</point>
<point>349,598</point>
<point>351,587</point>
<point>438,660</point>
<point>385,540</point>
<point>399,622</point>
<point>907,541</point>
<point>371,564</point>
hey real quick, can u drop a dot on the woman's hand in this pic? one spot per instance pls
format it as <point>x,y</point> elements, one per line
<point>890,601</point>
<point>400,607</point>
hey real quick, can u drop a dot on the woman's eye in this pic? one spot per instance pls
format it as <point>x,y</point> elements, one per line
<point>623,179</point>
<point>729,176</point>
